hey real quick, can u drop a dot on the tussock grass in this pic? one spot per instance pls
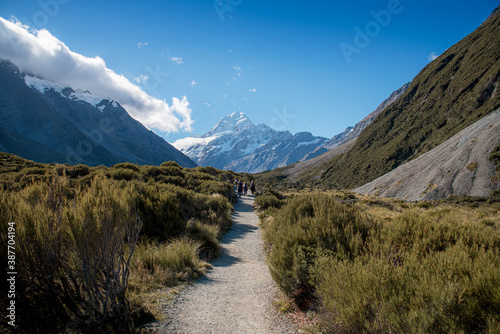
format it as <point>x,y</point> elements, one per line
<point>372,265</point>
<point>165,264</point>
<point>70,255</point>
<point>79,265</point>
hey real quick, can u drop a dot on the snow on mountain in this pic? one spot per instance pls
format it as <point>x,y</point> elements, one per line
<point>48,122</point>
<point>236,122</point>
<point>79,95</point>
<point>236,143</point>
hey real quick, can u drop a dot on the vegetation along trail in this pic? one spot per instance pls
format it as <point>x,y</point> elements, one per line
<point>236,295</point>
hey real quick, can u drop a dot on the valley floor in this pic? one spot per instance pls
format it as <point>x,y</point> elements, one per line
<point>236,295</point>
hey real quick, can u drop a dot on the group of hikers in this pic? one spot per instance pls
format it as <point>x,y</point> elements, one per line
<point>242,187</point>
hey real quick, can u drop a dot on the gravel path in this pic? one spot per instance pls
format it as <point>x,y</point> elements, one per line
<point>236,295</point>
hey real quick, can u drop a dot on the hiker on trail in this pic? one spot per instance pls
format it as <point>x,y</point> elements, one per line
<point>236,183</point>
<point>245,188</point>
<point>240,188</point>
<point>252,188</point>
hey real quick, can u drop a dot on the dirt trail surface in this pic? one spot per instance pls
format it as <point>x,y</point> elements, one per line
<point>236,295</point>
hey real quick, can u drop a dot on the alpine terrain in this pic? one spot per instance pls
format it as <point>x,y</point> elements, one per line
<point>453,92</point>
<point>238,144</point>
<point>48,122</point>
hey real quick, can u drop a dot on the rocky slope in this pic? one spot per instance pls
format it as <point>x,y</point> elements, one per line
<point>459,166</point>
<point>451,93</point>
<point>46,122</point>
<point>236,143</point>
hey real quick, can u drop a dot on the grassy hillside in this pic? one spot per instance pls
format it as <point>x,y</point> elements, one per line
<point>91,243</point>
<point>452,92</point>
<point>368,265</point>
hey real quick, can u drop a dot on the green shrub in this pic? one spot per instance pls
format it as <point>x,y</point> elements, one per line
<point>267,201</point>
<point>77,226</point>
<point>159,209</point>
<point>70,255</point>
<point>208,237</point>
<point>420,276</point>
<point>126,174</point>
<point>424,270</point>
<point>126,165</point>
<point>164,264</point>
<point>306,228</point>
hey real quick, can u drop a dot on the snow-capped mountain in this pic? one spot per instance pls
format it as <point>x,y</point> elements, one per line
<point>49,122</point>
<point>238,144</point>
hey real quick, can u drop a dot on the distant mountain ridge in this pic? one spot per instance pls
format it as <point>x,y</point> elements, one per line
<point>50,123</point>
<point>451,93</point>
<point>353,132</point>
<point>238,144</point>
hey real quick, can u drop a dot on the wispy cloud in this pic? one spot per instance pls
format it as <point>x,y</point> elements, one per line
<point>177,60</point>
<point>432,56</point>
<point>207,104</point>
<point>193,83</point>
<point>141,79</point>
<point>253,90</point>
<point>40,53</point>
<point>239,71</point>
<point>141,44</point>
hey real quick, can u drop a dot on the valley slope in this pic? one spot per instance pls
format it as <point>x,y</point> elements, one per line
<point>47,122</point>
<point>453,92</point>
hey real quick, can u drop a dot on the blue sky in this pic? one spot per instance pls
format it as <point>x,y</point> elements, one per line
<point>288,64</point>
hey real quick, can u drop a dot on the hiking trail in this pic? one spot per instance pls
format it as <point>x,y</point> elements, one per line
<point>236,295</point>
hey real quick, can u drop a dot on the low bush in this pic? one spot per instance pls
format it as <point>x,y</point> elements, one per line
<point>267,201</point>
<point>208,237</point>
<point>308,227</point>
<point>420,276</point>
<point>165,264</point>
<point>76,233</point>
<point>414,269</point>
<point>70,258</point>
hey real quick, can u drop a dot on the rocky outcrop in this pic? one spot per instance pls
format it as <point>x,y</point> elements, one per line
<point>459,166</point>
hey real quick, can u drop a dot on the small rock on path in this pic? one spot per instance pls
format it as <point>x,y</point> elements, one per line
<point>236,295</point>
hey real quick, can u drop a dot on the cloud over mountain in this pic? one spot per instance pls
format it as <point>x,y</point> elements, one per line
<point>41,53</point>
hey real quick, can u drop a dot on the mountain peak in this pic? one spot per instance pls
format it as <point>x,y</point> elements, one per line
<point>237,122</point>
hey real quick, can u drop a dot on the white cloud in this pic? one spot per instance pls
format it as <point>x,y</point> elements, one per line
<point>207,104</point>
<point>193,83</point>
<point>176,60</point>
<point>432,56</point>
<point>40,53</point>
<point>253,90</point>
<point>141,79</point>
<point>141,44</point>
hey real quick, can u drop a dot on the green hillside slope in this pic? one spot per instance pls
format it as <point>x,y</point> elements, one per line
<point>449,94</point>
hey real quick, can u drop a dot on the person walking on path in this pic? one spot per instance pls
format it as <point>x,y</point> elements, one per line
<point>240,188</point>
<point>252,187</point>
<point>245,188</point>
